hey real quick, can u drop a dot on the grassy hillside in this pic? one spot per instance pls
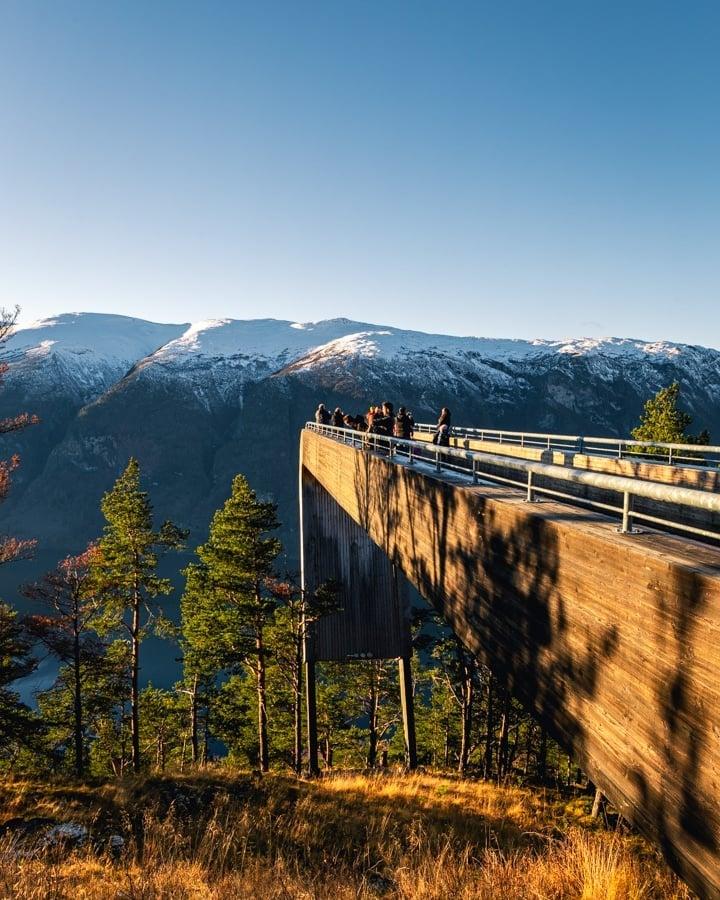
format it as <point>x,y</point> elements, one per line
<point>348,836</point>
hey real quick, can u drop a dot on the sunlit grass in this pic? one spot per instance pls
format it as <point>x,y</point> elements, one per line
<point>225,836</point>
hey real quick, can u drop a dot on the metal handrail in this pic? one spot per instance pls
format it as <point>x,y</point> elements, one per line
<point>702,455</point>
<point>474,465</point>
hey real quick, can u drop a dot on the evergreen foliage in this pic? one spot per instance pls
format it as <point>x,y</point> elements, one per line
<point>228,603</point>
<point>18,726</point>
<point>242,639</point>
<point>296,610</point>
<point>663,421</point>
<point>72,601</point>
<point>125,570</point>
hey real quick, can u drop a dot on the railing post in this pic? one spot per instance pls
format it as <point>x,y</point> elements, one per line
<point>474,470</point>
<point>670,456</point>
<point>626,527</point>
<point>530,494</point>
<point>438,467</point>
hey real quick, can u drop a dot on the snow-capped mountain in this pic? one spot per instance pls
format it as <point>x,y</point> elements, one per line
<point>197,403</point>
<point>87,354</point>
<point>82,353</point>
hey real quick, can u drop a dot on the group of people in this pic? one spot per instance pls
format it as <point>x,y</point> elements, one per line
<point>383,420</point>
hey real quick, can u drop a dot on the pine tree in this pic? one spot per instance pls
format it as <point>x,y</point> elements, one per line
<point>296,610</point>
<point>74,606</point>
<point>17,723</point>
<point>108,711</point>
<point>161,724</point>
<point>337,711</point>
<point>105,682</point>
<point>459,673</point>
<point>664,422</point>
<point>194,690</point>
<point>126,573</point>
<point>227,604</point>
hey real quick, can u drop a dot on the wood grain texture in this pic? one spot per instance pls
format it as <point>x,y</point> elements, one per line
<point>613,641</point>
<point>373,621</point>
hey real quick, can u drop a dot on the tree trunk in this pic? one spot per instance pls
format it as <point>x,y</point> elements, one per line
<point>327,752</point>
<point>297,709</point>
<point>78,715</point>
<point>372,723</point>
<point>489,728</point>
<point>468,691</point>
<point>264,753</point>
<point>598,804</point>
<point>194,750</point>
<point>206,736</point>
<point>542,756</point>
<point>513,749</point>
<point>504,732</point>
<point>528,746</point>
<point>134,685</point>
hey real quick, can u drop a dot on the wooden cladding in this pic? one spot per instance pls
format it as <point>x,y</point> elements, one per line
<point>373,621</point>
<point>613,641</point>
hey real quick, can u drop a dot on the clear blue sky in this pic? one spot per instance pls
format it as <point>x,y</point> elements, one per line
<point>506,169</point>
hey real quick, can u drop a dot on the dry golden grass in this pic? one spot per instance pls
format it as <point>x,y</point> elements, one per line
<point>222,836</point>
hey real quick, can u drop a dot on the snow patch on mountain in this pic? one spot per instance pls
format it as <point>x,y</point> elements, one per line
<point>261,338</point>
<point>81,352</point>
<point>215,358</point>
<point>393,344</point>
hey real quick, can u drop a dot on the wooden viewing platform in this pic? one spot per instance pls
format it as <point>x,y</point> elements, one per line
<point>612,640</point>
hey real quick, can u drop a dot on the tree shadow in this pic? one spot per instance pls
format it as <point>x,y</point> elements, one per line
<point>679,805</point>
<point>582,658</point>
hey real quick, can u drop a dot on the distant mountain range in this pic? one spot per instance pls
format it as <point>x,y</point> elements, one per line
<point>198,403</point>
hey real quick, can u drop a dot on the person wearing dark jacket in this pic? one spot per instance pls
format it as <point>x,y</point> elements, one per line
<point>337,418</point>
<point>384,422</point>
<point>322,416</point>
<point>442,432</point>
<point>403,424</point>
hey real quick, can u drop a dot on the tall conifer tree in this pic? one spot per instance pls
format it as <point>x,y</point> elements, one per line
<point>228,603</point>
<point>126,572</point>
<point>68,632</point>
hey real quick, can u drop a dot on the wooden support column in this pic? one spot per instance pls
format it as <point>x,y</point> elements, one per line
<point>408,711</point>
<point>311,707</point>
